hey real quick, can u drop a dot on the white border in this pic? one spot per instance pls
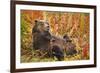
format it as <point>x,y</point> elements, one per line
<point>52,64</point>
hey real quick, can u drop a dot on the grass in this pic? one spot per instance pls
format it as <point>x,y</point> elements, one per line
<point>28,56</point>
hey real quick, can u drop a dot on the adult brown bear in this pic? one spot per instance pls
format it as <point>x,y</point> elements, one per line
<point>41,35</point>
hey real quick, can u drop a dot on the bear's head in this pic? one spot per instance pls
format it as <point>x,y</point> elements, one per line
<point>41,26</point>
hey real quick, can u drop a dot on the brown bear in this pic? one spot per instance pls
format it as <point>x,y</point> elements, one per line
<point>62,47</point>
<point>41,38</point>
<point>41,35</point>
<point>50,45</point>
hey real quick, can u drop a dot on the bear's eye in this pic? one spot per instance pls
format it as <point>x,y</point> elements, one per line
<point>47,26</point>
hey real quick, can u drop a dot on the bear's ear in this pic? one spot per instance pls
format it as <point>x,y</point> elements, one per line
<point>36,21</point>
<point>35,27</point>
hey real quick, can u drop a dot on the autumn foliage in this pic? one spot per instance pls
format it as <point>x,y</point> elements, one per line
<point>75,24</point>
